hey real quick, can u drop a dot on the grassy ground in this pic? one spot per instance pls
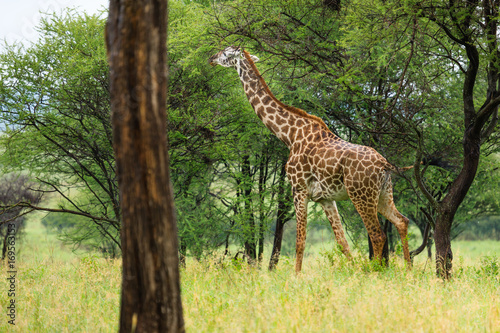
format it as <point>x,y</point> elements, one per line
<point>58,291</point>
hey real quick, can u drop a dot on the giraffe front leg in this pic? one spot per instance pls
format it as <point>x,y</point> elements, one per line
<point>300,202</point>
<point>330,209</point>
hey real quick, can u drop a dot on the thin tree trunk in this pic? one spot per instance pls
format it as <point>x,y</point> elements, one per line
<point>284,202</point>
<point>4,246</point>
<point>136,35</point>
<point>263,169</point>
<point>250,243</point>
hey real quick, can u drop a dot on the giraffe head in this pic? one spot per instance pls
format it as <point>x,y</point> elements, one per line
<point>229,57</point>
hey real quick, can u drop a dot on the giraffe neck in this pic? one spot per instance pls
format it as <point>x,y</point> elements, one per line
<point>279,118</point>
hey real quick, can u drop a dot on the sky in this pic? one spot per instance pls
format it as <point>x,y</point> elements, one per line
<point>18,18</point>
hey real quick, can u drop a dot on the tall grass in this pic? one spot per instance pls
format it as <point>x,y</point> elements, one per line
<point>332,295</point>
<point>59,291</point>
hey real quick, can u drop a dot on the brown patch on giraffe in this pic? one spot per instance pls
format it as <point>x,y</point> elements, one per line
<point>280,121</point>
<point>272,127</point>
<point>270,110</point>
<point>322,164</point>
<point>365,163</point>
<point>266,100</point>
<point>300,134</point>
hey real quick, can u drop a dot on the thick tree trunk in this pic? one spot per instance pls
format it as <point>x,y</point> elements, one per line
<point>136,35</point>
<point>449,205</point>
<point>444,254</point>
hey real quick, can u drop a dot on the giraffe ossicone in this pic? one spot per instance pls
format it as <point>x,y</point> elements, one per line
<point>322,167</point>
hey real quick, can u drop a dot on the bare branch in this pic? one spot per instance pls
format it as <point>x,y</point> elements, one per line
<point>22,204</point>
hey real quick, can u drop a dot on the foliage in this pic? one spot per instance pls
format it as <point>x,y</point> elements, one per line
<point>55,104</point>
<point>212,130</point>
<point>490,266</point>
<point>380,73</point>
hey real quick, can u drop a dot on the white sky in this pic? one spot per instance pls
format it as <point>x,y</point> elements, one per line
<point>18,18</point>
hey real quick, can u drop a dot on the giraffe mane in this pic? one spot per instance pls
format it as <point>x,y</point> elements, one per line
<point>289,108</point>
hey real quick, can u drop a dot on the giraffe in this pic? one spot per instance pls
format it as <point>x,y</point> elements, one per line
<point>321,166</point>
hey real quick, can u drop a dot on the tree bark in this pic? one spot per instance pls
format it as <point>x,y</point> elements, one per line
<point>136,36</point>
<point>449,206</point>
<point>263,171</point>
<point>250,234</point>
<point>284,203</point>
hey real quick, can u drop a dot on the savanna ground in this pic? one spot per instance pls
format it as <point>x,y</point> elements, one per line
<point>61,291</point>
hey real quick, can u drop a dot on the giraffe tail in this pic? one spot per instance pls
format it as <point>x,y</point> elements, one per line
<point>403,169</point>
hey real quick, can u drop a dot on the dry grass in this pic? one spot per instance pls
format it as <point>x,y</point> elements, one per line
<point>61,292</point>
<point>339,297</point>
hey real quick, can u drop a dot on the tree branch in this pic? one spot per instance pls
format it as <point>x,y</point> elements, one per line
<point>22,204</point>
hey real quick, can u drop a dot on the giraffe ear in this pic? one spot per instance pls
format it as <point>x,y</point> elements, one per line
<point>254,58</point>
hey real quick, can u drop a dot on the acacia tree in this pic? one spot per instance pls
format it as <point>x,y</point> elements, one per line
<point>474,27</point>
<point>136,36</point>
<point>56,110</point>
<point>54,104</point>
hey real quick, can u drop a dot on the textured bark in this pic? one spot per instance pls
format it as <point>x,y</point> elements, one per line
<point>136,35</point>
<point>455,196</point>
<point>263,169</point>
<point>284,203</point>
<point>250,235</point>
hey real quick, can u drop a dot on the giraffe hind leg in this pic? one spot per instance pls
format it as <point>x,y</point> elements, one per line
<point>376,234</point>
<point>330,209</point>
<point>365,201</point>
<point>368,213</point>
<point>387,208</point>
